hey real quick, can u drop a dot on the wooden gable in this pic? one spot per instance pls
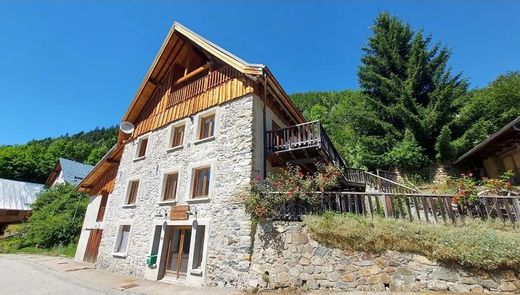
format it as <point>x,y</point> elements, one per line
<point>188,75</point>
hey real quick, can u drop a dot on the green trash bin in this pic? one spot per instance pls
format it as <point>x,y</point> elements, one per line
<point>151,260</point>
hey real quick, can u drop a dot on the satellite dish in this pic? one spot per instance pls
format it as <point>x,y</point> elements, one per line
<point>127,127</point>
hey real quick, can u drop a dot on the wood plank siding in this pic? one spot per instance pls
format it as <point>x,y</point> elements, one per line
<point>106,182</point>
<point>166,106</point>
<point>188,75</point>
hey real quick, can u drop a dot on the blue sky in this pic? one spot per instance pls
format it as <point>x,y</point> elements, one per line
<point>72,66</point>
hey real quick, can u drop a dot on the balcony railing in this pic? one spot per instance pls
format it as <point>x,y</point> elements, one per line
<point>294,137</point>
<point>306,136</point>
<point>203,84</point>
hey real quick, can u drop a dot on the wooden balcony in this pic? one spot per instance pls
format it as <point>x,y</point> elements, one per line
<point>306,145</point>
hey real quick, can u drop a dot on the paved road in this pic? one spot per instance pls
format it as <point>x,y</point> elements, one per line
<point>18,276</point>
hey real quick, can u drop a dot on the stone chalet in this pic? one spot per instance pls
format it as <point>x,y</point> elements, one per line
<point>166,199</point>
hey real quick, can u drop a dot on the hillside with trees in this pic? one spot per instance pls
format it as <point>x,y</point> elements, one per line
<point>35,160</point>
<point>411,111</point>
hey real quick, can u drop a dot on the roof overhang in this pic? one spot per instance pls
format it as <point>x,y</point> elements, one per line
<point>509,135</point>
<point>149,80</point>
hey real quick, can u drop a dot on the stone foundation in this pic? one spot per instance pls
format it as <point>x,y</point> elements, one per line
<point>285,255</point>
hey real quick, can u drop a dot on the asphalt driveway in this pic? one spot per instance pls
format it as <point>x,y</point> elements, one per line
<point>35,274</point>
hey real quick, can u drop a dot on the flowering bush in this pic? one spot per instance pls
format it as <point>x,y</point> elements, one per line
<point>467,190</point>
<point>501,184</point>
<point>290,184</point>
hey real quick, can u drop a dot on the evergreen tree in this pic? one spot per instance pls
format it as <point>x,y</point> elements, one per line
<point>444,147</point>
<point>408,86</point>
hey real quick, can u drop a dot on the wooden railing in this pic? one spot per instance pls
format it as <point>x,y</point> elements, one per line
<point>306,135</point>
<point>413,207</point>
<point>387,174</point>
<point>294,137</point>
<point>203,84</point>
<point>383,185</point>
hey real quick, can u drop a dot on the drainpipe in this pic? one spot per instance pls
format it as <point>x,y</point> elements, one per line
<point>264,126</point>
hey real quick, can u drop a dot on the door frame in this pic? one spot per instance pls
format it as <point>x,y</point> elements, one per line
<point>93,243</point>
<point>156,272</point>
<point>169,242</point>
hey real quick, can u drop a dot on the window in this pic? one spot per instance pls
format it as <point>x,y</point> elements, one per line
<point>199,247</point>
<point>201,183</point>
<point>170,186</point>
<point>102,207</point>
<point>177,136</point>
<point>207,126</point>
<point>141,147</point>
<point>133,187</point>
<point>123,238</point>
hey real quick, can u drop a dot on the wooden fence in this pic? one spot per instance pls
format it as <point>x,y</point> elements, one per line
<point>431,208</point>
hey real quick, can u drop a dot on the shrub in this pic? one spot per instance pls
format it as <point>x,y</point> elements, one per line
<point>56,218</point>
<point>482,245</point>
<point>406,154</point>
<point>290,184</point>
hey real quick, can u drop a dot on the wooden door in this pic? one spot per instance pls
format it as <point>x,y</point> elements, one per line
<point>94,240</point>
<point>178,251</point>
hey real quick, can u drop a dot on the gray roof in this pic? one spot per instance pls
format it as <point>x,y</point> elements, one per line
<point>18,195</point>
<point>74,172</point>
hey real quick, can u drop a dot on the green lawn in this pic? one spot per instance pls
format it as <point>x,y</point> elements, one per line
<point>10,245</point>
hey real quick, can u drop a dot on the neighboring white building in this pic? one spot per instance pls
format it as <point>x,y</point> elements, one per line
<point>167,199</point>
<point>68,171</point>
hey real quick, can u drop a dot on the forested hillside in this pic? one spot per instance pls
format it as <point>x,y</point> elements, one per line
<point>35,160</point>
<point>411,110</point>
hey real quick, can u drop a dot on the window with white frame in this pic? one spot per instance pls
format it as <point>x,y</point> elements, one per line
<point>177,136</point>
<point>122,239</point>
<point>132,191</point>
<point>207,126</point>
<point>169,191</point>
<point>141,147</point>
<point>201,182</point>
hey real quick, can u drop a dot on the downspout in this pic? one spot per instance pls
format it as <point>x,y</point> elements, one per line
<point>264,124</point>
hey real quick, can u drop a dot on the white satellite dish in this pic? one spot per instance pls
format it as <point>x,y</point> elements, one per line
<point>127,127</point>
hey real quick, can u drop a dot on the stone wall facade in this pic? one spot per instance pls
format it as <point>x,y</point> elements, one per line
<point>228,228</point>
<point>285,255</point>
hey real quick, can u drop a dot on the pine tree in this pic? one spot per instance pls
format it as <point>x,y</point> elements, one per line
<point>444,147</point>
<point>408,86</point>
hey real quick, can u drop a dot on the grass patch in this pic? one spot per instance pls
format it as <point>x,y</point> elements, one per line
<point>12,245</point>
<point>477,244</point>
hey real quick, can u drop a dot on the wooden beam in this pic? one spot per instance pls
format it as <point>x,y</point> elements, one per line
<point>194,73</point>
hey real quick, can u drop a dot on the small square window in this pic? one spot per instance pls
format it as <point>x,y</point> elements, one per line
<point>122,240</point>
<point>177,136</point>
<point>133,188</point>
<point>170,187</point>
<point>207,126</point>
<point>201,183</point>
<point>141,147</point>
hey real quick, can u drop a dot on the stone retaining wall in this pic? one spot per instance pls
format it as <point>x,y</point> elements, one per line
<point>285,255</point>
